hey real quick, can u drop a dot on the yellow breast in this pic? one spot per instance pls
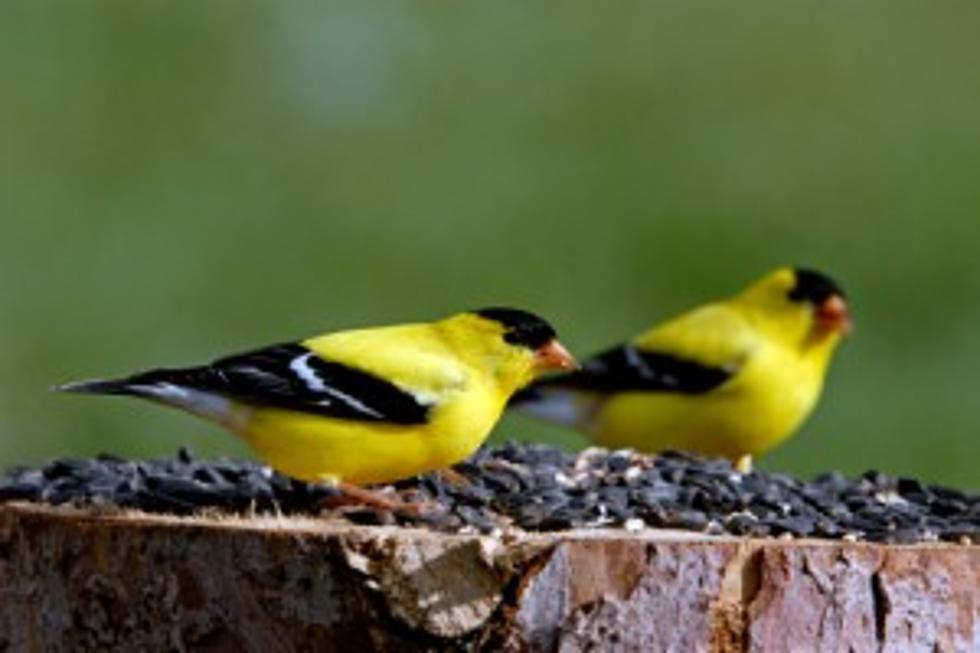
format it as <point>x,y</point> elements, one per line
<point>318,449</point>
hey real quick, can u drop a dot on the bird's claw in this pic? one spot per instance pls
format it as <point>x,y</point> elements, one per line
<point>353,495</point>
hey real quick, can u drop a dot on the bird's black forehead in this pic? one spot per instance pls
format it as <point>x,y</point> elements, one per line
<point>520,327</point>
<point>814,286</point>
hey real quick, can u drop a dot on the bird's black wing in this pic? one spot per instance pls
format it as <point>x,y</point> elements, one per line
<point>292,377</point>
<point>629,369</point>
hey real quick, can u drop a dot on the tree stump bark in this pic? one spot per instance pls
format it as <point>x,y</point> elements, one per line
<point>77,580</point>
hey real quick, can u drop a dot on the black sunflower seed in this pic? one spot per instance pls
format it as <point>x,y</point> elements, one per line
<point>537,488</point>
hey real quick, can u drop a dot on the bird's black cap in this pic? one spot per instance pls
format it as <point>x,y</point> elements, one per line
<point>815,287</point>
<point>520,327</point>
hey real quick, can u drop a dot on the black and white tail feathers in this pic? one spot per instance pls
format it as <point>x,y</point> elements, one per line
<point>143,384</point>
<point>180,388</point>
<point>557,405</point>
<point>287,376</point>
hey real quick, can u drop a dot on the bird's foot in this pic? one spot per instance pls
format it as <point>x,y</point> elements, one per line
<point>452,477</point>
<point>385,500</point>
<point>744,464</point>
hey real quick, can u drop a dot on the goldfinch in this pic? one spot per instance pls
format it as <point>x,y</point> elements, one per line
<point>364,406</point>
<point>732,378</point>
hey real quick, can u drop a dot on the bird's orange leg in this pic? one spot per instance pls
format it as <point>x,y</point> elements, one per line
<point>387,503</point>
<point>452,477</point>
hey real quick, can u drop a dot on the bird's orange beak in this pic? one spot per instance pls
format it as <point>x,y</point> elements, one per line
<point>554,356</point>
<point>833,315</point>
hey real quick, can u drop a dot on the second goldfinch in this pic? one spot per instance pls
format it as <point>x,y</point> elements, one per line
<point>732,378</point>
<point>365,406</point>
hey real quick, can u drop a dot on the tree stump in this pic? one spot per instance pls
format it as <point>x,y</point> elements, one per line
<point>73,579</point>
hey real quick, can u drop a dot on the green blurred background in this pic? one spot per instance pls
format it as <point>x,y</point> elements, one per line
<point>183,181</point>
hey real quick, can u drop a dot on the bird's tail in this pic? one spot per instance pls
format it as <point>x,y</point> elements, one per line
<point>122,386</point>
<point>180,388</point>
<point>145,384</point>
<point>556,404</point>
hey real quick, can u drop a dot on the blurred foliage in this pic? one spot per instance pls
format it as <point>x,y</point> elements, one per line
<point>180,181</point>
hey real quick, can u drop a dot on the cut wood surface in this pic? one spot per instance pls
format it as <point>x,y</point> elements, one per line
<point>74,579</point>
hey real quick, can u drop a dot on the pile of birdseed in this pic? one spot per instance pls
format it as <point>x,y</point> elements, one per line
<point>536,488</point>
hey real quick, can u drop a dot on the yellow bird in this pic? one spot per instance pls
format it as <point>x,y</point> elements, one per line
<point>364,406</point>
<point>733,378</point>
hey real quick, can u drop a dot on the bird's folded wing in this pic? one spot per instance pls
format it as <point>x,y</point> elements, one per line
<point>694,353</point>
<point>292,377</point>
<point>628,369</point>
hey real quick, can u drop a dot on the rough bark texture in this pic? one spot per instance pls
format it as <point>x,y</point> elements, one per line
<point>73,580</point>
